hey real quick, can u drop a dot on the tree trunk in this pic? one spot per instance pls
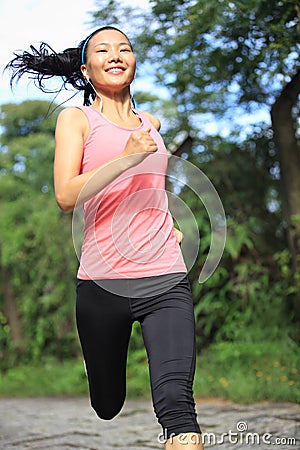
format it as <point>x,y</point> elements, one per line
<point>11,310</point>
<point>289,159</point>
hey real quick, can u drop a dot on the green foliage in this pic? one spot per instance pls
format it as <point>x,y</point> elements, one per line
<point>49,377</point>
<point>254,281</point>
<point>36,247</point>
<point>138,383</point>
<point>210,50</point>
<point>249,372</point>
<point>27,118</point>
<point>252,303</point>
<point>250,296</point>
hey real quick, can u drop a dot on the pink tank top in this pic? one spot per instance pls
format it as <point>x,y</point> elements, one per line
<point>128,229</point>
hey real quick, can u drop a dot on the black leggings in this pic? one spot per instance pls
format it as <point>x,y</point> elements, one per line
<point>104,322</point>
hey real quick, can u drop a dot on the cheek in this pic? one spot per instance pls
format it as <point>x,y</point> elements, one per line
<point>97,59</point>
<point>94,67</point>
<point>133,64</point>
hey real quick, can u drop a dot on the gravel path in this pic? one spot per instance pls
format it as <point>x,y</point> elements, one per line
<point>69,423</point>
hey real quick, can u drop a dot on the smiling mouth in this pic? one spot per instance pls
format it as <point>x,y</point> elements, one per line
<point>115,70</point>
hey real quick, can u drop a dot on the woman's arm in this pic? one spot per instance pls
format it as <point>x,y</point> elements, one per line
<point>71,131</point>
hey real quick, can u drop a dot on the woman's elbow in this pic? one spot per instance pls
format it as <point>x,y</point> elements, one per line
<point>64,204</point>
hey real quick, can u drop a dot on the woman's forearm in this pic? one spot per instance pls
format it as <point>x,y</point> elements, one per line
<point>81,188</point>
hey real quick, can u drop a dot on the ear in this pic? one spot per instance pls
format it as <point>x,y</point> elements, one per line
<point>84,71</point>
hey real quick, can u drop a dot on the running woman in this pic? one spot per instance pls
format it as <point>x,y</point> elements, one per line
<point>111,160</point>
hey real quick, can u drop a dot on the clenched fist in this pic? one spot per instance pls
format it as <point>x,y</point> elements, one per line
<point>139,145</point>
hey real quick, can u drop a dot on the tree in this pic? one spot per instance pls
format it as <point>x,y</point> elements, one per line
<point>38,262</point>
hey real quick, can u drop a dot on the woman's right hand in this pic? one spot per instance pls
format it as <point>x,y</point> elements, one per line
<point>139,145</point>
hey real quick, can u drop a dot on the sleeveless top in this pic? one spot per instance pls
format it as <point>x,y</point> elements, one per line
<point>128,228</point>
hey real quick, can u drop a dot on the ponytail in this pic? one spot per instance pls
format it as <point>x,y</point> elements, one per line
<point>43,63</point>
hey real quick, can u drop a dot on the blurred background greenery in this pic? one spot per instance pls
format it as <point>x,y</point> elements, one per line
<point>227,73</point>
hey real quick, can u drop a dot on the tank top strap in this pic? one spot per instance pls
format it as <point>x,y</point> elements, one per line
<point>92,115</point>
<point>144,117</point>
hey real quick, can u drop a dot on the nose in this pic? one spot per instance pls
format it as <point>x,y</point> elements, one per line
<point>114,55</point>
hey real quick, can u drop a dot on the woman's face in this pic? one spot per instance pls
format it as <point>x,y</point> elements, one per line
<point>110,62</point>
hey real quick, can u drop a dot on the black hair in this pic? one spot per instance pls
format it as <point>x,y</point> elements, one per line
<point>43,63</point>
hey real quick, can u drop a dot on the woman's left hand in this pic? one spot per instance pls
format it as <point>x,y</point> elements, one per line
<point>179,235</point>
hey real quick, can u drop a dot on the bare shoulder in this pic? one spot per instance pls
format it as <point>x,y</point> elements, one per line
<point>154,120</point>
<point>72,113</point>
<point>74,120</point>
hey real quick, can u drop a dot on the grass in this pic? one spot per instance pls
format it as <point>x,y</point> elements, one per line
<point>250,373</point>
<point>48,379</point>
<point>243,373</point>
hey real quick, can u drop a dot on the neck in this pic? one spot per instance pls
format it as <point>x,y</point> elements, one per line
<point>116,108</point>
<point>117,105</point>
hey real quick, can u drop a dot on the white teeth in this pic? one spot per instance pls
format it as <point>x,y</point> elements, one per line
<point>115,70</point>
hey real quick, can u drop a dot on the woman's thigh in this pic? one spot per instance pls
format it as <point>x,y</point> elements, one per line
<point>104,323</point>
<point>169,333</point>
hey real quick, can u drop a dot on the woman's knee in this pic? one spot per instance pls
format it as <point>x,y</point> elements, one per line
<point>106,410</point>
